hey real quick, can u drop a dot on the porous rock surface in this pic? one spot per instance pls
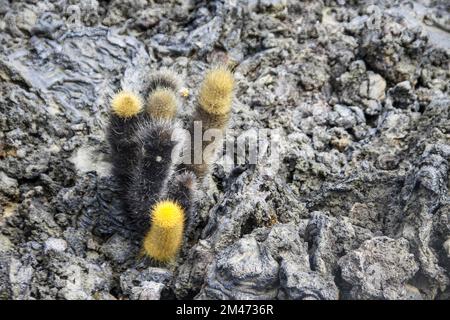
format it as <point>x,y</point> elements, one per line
<point>357,207</point>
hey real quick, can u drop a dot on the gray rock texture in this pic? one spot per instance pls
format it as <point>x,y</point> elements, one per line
<point>378,269</point>
<point>357,205</point>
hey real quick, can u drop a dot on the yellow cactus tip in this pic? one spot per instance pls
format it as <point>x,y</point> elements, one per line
<point>216,92</point>
<point>162,103</point>
<point>126,104</point>
<point>167,214</point>
<point>163,240</point>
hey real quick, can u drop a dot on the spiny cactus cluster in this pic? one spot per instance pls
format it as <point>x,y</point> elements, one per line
<point>157,194</point>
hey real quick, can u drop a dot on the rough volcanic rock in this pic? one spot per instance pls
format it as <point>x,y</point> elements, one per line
<point>378,269</point>
<point>353,205</point>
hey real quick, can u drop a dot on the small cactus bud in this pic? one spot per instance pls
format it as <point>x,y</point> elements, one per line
<point>162,104</point>
<point>126,104</point>
<point>216,92</point>
<point>163,241</point>
<point>184,92</point>
<point>164,78</point>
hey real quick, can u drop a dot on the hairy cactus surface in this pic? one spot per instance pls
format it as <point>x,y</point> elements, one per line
<point>162,103</point>
<point>212,113</point>
<point>164,78</point>
<point>126,104</point>
<point>142,142</point>
<point>216,91</point>
<point>163,240</point>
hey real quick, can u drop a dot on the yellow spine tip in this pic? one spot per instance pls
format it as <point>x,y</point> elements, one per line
<point>163,240</point>
<point>216,92</point>
<point>184,92</point>
<point>126,104</point>
<point>162,103</point>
